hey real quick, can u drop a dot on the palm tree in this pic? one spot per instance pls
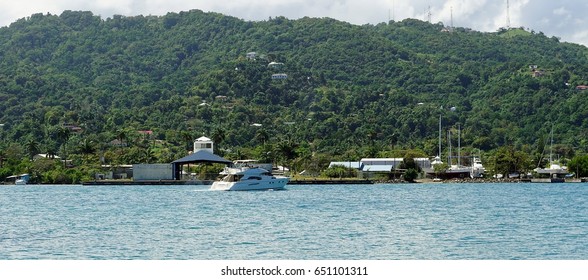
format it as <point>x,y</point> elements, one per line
<point>287,150</point>
<point>63,134</point>
<point>32,147</point>
<point>50,147</point>
<point>87,147</point>
<point>187,137</point>
<point>218,136</point>
<point>121,135</point>
<point>262,136</point>
<point>149,155</point>
<point>2,155</point>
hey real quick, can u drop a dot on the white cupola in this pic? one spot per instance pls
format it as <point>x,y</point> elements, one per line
<point>204,143</point>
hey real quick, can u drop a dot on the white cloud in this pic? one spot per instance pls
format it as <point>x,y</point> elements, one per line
<point>563,18</point>
<point>561,11</point>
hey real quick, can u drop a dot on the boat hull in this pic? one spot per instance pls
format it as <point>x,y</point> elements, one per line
<point>251,185</point>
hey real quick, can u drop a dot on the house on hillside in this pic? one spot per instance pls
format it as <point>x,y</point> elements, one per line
<point>275,65</point>
<point>251,55</point>
<point>73,128</point>
<point>45,156</point>
<point>280,76</point>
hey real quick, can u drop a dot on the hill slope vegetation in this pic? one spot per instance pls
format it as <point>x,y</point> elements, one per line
<point>155,83</point>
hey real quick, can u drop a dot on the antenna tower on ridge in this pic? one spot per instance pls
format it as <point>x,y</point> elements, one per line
<point>393,11</point>
<point>507,14</point>
<point>451,18</point>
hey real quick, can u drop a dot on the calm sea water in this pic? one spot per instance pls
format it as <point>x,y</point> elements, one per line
<point>375,222</point>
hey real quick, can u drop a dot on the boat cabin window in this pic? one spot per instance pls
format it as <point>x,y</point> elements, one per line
<point>232,178</point>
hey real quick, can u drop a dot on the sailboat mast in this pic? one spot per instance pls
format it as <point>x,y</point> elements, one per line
<point>449,145</point>
<point>458,144</point>
<point>439,154</point>
<point>551,148</point>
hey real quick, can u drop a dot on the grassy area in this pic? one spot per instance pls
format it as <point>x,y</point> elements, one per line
<point>514,32</point>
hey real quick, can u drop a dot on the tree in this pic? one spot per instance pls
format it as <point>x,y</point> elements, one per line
<point>507,160</point>
<point>121,136</point>
<point>63,134</point>
<point>262,136</point>
<point>579,165</point>
<point>188,139</point>
<point>339,171</point>
<point>87,147</point>
<point>286,150</point>
<point>218,136</point>
<point>32,147</point>
<point>410,175</point>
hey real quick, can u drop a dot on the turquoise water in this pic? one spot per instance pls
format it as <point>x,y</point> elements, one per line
<point>374,222</point>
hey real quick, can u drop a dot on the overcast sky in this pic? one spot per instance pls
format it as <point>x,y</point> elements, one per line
<point>565,19</point>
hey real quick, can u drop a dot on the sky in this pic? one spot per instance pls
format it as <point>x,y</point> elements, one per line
<point>564,19</point>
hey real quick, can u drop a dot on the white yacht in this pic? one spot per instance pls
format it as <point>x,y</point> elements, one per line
<point>478,169</point>
<point>248,179</point>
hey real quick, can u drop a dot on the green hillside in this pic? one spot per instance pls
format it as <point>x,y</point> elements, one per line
<point>351,91</point>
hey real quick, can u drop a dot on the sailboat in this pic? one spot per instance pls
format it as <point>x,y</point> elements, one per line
<point>437,160</point>
<point>555,171</point>
<point>453,171</point>
<point>456,170</point>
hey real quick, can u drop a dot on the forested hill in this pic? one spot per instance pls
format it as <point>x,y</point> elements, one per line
<point>351,91</point>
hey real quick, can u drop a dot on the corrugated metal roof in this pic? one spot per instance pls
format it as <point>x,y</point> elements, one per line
<point>350,164</point>
<point>377,168</point>
<point>381,161</point>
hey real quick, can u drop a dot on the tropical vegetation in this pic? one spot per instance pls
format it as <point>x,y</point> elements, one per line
<point>92,91</point>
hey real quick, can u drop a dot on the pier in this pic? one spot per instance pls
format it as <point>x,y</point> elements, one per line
<point>330,182</point>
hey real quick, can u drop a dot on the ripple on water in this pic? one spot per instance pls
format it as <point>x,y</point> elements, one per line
<point>462,221</point>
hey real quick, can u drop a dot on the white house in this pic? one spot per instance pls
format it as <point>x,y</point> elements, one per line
<point>275,64</point>
<point>280,76</point>
<point>45,156</point>
<point>251,55</point>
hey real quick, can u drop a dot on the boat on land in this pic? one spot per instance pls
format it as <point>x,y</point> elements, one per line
<point>555,172</point>
<point>478,169</point>
<point>452,170</point>
<point>249,179</point>
<point>21,179</point>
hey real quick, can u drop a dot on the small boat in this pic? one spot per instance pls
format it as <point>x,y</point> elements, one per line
<point>249,179</point>
<point>478,169</point>
<point>21,179</point>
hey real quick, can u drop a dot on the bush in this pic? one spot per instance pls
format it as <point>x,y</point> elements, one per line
<point>410,175</point>
<point>339,171</point>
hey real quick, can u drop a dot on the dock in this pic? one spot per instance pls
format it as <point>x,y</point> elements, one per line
<point>144,183</point>
<point>330,182</point>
